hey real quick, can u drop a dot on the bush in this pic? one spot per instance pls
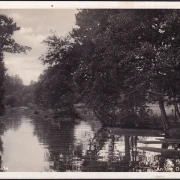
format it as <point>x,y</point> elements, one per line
<point>12,101</point>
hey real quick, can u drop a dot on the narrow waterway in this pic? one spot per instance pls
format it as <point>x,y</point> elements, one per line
<point>30,144</point>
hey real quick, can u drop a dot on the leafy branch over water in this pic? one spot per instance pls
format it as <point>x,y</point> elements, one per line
<point>115,61</point>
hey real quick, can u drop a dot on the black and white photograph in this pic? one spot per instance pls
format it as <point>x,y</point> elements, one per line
<point>89,90</point>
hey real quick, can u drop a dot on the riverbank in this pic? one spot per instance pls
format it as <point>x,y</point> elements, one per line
<point>55,117</point>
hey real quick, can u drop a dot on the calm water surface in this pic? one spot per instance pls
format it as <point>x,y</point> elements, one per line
<point>30,144</point>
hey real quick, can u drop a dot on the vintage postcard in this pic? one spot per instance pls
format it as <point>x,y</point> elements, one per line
<point>88,89</point>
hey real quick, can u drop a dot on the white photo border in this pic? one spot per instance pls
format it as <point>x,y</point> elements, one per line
<point>88,5</point>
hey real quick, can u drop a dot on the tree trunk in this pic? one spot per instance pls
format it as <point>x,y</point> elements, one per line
<point>73,112</point>
<point>175,104</point>
<point>164,119</point>
<point>96,114</point>
<point>176,110</point>
<point>104,117</point>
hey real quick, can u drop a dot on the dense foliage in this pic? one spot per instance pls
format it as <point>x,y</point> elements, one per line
<point>7,44</point>
<point>56,88</point>
<point>16,93</point>
<point>116,61</point>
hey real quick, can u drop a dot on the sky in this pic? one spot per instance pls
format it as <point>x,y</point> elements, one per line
<point>36,25</point>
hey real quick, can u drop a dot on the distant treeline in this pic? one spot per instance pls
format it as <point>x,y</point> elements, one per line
<point>17,94</point>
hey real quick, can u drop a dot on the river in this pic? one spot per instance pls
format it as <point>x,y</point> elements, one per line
<point>30,144</point>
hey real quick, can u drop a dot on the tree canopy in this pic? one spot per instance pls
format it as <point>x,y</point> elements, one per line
<point>118,60</point>
<point>7,44</point>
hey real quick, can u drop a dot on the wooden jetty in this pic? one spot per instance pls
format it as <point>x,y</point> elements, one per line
<point>160,150</point>
<point>136,132</point>
<point>150,142</point>
<point>176,141</point>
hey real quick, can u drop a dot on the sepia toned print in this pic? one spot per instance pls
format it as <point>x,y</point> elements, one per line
<point>90,90</point>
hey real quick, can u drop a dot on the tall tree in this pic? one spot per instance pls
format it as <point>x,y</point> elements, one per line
<point>7,44</point>
<point>12,84</point>
<point>128,52</point>
<point>55,87</point>
<point>118,60</point>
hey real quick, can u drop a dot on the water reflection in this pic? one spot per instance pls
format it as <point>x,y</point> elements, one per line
<point>30,143</point>
<point>12,119</point>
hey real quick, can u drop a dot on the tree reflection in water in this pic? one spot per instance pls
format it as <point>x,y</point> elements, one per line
<point>104,152</point>
<point>90,148</point>
<point>1,151</point>
<point>61,150</point>
<point>12,119</point>
<point>2,129</point>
